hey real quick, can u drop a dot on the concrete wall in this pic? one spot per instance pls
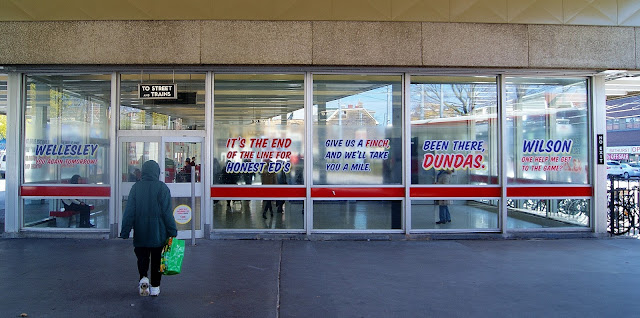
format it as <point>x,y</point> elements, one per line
<point>326,43</point>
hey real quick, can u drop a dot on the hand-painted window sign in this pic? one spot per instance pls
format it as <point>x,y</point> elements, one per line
<point>157,91</point>
<point>467,154</point>
<point>359,150</point>
<point>272,155</point>
<point>66,150</point>
<point>45,154</point>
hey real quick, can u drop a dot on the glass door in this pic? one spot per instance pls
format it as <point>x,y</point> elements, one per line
<point>182,166</point>
<point>175,170</point>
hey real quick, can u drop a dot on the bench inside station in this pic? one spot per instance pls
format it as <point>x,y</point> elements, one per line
<point>65,218</point>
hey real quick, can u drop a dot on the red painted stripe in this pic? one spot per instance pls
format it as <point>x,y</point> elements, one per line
<point>357,192</point>
<point>257,192</point>
<point>456,192</point>
<point>59,191</point>
<point>549,191</point>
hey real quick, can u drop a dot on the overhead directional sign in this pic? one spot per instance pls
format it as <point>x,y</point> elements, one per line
<point>157,91</point>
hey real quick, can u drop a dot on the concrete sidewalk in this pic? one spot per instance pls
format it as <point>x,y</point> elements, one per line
<point>239,278</point>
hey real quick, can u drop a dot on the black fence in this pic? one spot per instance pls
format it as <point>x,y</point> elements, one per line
<point>623,216</point>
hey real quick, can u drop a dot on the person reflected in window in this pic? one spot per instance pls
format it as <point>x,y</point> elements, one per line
<point>268,178</point>
<point>135,175</point>
<point>77,205</point>
<point>196,169</point>
<point>169,170</point>
<point>247,176</point>
<point>299,171</point>
<point>216,173</point>
<point>186,171</point>
<point>228,178</point>
<point>216,170</point>
<point>281,179</point>
<point>444,177</point>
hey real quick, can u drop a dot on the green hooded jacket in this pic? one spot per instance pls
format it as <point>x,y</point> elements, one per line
<point>148,210</point>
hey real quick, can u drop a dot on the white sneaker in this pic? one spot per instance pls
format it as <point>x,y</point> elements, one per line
<point>155,291</point>
<point>143,286</point>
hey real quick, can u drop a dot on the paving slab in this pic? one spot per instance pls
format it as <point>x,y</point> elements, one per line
<point>98,278</point>
<point>298,278</point>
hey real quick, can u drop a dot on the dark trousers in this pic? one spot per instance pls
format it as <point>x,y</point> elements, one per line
<point>444,214</point>
<point>267,206</point>
<point>85,213</point>
<point>143,254</point>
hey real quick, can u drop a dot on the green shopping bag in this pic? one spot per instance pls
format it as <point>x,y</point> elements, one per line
<point>172,255</point>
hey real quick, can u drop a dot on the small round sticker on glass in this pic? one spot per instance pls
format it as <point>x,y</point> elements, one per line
<point>182,214</point>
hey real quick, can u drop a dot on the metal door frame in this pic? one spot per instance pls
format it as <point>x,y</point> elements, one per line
<point>161,138</point>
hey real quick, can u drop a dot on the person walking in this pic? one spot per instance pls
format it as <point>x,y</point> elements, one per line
<point>148,213</point>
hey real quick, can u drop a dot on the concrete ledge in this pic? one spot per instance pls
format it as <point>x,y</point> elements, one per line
<point>256,42</point>
<point>146,42</point>
<point>357,237</point>
<point>256,236</point>
<point>69,234</point>
<point>47,42</point>
<point>324,43</point>
<point>582,47</point>
<point>520,235</point>
<point>435,236</point>
<point>474,44</point>
<point>366,43</point>
<point>529,235</point>
<point>100,42</point>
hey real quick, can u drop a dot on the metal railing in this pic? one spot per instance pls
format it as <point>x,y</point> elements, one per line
<point>623,215</point>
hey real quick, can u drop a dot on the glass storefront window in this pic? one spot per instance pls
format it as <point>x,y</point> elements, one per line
<point>66,120</point>
<point>454,128</point>
<point>357,129</point>
<point>358,138</point>
<point>357,215</point>
<point>259,122</point>
<point>547,130</point>
<point>464,214</point>
<point>186,111</point>
<point>43,213</point>
<point>249,214</point>
<point>547,213</point>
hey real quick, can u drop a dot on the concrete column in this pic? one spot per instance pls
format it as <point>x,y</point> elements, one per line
<point>12,176</point>
<point>599,123</point>
<point>116,199</point>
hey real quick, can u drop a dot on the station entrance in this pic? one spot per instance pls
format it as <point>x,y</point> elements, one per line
<point>181,163</point>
